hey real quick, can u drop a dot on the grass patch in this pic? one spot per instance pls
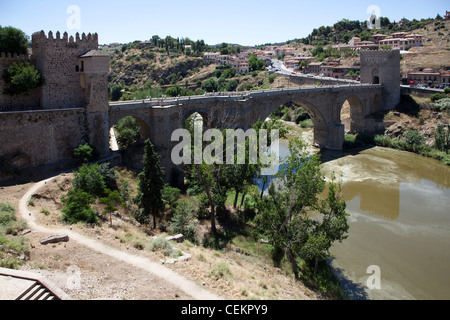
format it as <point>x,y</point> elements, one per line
<point>12,246</point>
<point>409,144</point>
<point>306,123</point>
<point>324,281</point>
<point>164,246</point>
<point>219,271</point>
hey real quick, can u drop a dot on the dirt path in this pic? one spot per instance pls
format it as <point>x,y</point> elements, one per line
<point>168,275</point>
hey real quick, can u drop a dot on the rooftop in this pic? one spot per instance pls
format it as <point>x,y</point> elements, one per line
<point>94,53</point>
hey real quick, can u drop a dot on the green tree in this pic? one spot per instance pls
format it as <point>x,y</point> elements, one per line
<point>414,138</point>
<point>128,131</point>
<point>151,184</point>
<point>77,207</point>
<point>255,63</point>
<point>174,91</point>
<point>88,178</point>
<point>170,196</point>
<point>111,202</point>
<point>13,40</point>
<point>116,92</point>
<point>184,221</point>
<point>85,153</point>
<point>21,78</point>
<point>210,85</point>
<point>442,138</point>
<point>331,227</point>
<point>285,214</point>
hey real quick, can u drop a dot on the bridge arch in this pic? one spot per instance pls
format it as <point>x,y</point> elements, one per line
<point>320,125</point>
<point>351,113</point>
<point>144,129</point>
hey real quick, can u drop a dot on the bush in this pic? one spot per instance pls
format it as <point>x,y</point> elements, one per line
<point>128,131</point>
<point>414,138</point>
<point>89,179</point>
<point>22,77</point>
<point>447,90</point>
<point>307,124</point>
<point>162,245</point>
<point>219,271</point>
<point>77,207</point>
<point>184,221</point>
<point>7,211</point>
<point>442,105</point>
<point>85,153</point>
<point>438,96</point>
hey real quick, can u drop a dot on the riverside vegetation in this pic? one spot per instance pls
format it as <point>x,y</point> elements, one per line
<point>298,243</point>
<point>437,144</point>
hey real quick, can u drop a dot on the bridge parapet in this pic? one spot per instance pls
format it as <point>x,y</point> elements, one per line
<point>166,102</point>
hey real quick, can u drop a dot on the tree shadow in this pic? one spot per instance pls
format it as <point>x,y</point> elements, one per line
<point>331,155</point>
<point>352,290</point>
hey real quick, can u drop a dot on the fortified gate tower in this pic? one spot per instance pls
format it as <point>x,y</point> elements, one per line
<point>75,75</point>
<point>383,67</point>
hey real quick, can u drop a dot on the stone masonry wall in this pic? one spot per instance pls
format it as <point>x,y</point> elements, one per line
<point>36,138</point>
<point>57,60</point>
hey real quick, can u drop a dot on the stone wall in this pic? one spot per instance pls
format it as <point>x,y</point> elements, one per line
<point>36,138</point>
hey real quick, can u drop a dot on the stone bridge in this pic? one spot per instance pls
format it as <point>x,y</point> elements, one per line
<point>158,118</point>
<point>71,107</point>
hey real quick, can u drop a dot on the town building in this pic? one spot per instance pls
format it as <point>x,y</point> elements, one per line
<point>429,77</point>
<point>402,41</point>
<point>447,15</point>
<point>239,62</point>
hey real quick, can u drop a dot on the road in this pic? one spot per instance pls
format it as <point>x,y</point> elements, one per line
<point>279,65</point>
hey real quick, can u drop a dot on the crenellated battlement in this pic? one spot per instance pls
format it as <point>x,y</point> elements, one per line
<point>41,37</point>
<point>8,58</point>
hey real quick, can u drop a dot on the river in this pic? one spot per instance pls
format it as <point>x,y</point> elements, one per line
<point>399,207</point>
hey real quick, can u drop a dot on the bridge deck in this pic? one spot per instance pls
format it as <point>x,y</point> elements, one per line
<point>165,102</point>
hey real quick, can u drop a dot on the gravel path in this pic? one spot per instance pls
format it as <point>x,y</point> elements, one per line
<point>159,270</point>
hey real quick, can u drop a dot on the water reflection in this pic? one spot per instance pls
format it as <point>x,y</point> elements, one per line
<point>399,220</point>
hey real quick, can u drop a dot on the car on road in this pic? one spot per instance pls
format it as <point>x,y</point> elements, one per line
<point>310,76</point>
<point>293,72</point>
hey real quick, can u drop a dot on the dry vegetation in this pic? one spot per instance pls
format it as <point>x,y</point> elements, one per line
<point>247,274</point>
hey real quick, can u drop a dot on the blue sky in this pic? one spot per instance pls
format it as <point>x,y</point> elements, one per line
<point>247,22</point>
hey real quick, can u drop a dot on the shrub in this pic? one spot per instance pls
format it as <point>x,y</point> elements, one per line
<point>307,124</point>
<point>447,90</point>
<point>442,138</point>
<point>162,245</point>
<point>88,178</point>
<point>414,138</point>
<point>442,105</point>
<point>77,207</point>
<point>219,271</point>
<point>85,153</point>
<point>22,77</point>
<point>7,211</point>
<point>438,96</point>
<point>183,221</point>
